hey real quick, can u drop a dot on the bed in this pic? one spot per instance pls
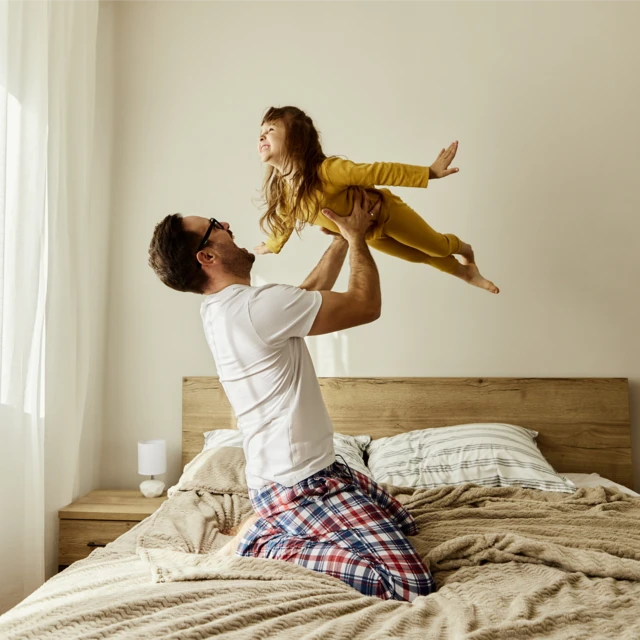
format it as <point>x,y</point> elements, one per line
<point>509,562</point>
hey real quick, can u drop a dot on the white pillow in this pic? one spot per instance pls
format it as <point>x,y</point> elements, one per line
<point>596,480</point>
<point>491,455</point>
<point>350,448</point>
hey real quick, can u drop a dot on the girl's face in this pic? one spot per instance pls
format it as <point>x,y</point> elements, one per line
<point>271,142</point>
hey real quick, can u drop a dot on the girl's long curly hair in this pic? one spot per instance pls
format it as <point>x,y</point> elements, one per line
<point>302,158</point>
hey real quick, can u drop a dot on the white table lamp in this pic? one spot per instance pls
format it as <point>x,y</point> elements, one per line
<point>152,461</point>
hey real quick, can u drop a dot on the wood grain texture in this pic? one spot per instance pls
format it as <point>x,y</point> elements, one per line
<point>78,538</point>
<point>583,423</point>
<point>111,504</point>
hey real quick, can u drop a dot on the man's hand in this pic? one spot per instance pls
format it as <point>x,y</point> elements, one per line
<point>362,301</point>
<point>324,276</point>
<point>372,203</point>
<point>354,226</point>
<point>335,235</point>
<point>440,168</point>
<point>262,249</point>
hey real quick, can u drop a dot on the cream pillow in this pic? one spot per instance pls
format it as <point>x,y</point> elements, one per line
<point>349,448</point>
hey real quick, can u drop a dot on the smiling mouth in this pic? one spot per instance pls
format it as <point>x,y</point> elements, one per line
<point>264,146</point>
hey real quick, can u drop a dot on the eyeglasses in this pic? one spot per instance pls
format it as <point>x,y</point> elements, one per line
<point>214,224</point>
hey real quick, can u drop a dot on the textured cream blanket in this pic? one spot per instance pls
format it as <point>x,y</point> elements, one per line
<point>509,563</point>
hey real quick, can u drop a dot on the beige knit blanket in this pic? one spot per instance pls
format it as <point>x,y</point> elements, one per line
<point>509,563</point>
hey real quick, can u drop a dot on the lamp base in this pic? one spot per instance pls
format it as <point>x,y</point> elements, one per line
<point>151,488</point>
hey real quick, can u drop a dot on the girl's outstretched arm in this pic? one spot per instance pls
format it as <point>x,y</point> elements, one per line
<point>344,173</point>
<point>274,242</point>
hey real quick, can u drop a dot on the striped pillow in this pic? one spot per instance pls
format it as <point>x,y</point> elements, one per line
<point>491,455</point>
<point>350,448</point>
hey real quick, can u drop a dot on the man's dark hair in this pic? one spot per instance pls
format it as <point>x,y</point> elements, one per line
<point>172,255</point>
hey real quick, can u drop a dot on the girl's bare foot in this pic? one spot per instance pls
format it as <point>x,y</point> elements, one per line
<point>230,547</point>
<point>470,273</point>
<point>466,253</point>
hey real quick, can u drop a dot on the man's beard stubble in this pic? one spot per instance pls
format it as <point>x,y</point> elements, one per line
<point>236,261</point>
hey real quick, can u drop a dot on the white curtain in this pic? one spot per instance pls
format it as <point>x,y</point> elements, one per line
<point>47,106</point>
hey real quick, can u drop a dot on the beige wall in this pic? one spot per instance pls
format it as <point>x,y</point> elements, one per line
<point>544,99</point>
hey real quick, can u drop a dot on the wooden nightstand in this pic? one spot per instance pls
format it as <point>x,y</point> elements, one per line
<point>99,518</point>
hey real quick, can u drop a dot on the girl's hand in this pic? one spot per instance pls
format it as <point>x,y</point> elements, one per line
<point>440,168</point>
<point>262,249</point>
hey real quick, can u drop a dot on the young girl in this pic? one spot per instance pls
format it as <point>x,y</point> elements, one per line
<point>302,181</point>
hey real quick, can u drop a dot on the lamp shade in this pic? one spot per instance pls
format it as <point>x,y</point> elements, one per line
<point>152,457</point>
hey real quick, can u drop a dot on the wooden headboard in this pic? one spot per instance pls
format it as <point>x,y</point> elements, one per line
<point>583,423</point>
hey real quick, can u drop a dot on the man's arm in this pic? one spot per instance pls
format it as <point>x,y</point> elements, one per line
<point>362,301</point>
<point>326,272</point>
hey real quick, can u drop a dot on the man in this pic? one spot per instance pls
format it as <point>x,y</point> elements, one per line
<point>310,509</point>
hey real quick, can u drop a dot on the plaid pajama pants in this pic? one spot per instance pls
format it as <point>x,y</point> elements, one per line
<point>340,522</point>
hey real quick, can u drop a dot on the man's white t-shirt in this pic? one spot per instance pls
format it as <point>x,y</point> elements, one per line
<point>256,335</point>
